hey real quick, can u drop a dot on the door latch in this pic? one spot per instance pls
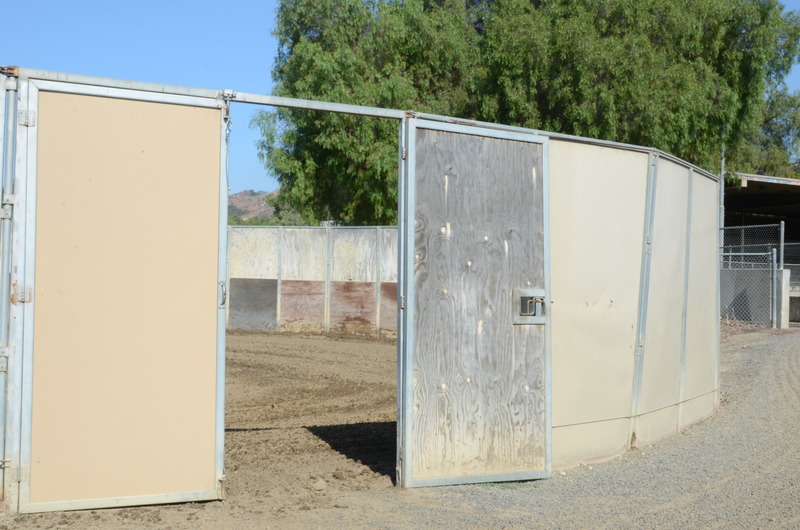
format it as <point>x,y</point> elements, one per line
<point>528,306</point>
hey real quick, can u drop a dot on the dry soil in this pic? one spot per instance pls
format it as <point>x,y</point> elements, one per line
<point>310,443</point>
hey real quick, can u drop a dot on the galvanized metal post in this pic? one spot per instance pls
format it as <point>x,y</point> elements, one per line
<point>9,154</point>
<point>780,257</point>
<point>328,257</point>
<point>279,274</point>
<point>378,238</point>
<point>644,291</point>
<point>774,288</point>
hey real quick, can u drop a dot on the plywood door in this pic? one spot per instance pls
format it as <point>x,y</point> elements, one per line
<point>125,303</point>
<point>477,406</point>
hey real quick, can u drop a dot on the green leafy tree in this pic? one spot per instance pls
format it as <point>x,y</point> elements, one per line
<point>774,148</point>
<point>685,76</point>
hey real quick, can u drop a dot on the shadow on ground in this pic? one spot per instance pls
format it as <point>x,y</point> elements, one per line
<point>371,444</point>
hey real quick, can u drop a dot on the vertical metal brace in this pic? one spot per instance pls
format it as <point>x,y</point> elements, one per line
<point>378,249</point>
<point>328,259</point>
<point>780,259</point>
<point>644,289</point>
<point>279,275</point>
<point>774,308</point>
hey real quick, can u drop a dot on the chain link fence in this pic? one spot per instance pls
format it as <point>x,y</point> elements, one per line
<point>750,258</point>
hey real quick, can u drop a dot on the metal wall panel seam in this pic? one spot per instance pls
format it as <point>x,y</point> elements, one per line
<point>378,249</point>
<point>548,331</point>
<point>30,179</point>
<point>685,309</point>
<point>121,93</point>
<point>644,288</point>
<point>222,311</point>
<point>279,274</point>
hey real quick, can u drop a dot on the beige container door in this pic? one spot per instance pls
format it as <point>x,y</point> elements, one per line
<point>474,379</point>
<point>122,328</point>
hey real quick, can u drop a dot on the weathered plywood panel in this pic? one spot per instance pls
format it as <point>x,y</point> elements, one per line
<point>597,227</point>
<point>353,254</point>
<point>304,254</point>
<point>661,364</point>
<point>124,379</point>
<point>388,254</point>
<point>388,321</point>
<point>702,340</point>
<point>478,380</point>
<point>253,252</point>
<point>253,304</point>
<point>302,306</point>
<point>353,307</point>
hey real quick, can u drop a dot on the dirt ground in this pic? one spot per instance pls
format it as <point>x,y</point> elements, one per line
<point>310,443</point>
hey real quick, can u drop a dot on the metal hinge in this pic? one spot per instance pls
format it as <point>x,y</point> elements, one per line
<point>402,302</point>
<point>26,118</point>
<point>6,212</point>
<point>405,153</point>
<point>20,295</point>
<point>10,71</point>
<point>18,473</point>
<point>3,364</point>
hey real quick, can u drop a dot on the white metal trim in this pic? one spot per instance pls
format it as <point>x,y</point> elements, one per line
<point>121,93</point>
<point>119,502</point>
<point>27,178</point>
<point>222,310</point>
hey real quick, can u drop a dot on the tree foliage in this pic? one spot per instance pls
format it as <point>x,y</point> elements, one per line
<point>685,76</point>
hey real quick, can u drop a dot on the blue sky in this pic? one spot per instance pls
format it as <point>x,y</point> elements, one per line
<point>199,43</point>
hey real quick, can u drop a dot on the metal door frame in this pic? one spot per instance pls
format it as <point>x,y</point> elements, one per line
<point>16,484</point>
<point>405,335</point>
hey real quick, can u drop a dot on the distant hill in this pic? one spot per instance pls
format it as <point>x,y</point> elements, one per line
<point>250,204</point>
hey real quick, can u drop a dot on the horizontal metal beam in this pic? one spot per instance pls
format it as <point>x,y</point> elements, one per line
<point>323,106</point>
<point>309,104</point>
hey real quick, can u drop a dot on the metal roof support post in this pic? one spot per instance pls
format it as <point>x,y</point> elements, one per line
<point>780,257</point>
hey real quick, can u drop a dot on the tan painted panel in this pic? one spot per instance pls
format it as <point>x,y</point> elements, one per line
<point>304,254</point>
<point>124,369</point>
<point>597,199</point>
<point>586,442</point>
<point>655,425</point>
<point>698,409</point>
<point>253,252</point>
<point>702,340</point>
<point>664,329</point>
<point>353,254</point>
